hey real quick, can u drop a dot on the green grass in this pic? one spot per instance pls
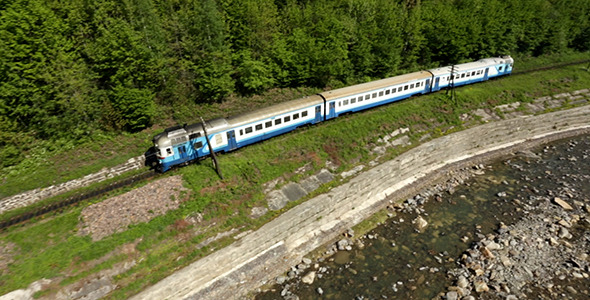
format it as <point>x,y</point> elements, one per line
<point>50,247</point>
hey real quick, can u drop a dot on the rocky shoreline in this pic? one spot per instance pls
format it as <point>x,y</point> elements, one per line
<point>544,254</point>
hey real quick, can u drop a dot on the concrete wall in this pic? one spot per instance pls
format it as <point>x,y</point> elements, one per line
<point>260,256</point>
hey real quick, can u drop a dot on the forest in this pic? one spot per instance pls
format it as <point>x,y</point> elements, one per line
<point>70,69</point>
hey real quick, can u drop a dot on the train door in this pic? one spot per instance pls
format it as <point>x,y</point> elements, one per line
<point>318,114</point>
<point>231,140</point>
<point>485,75</point>
<point>332,112</point>
<point>182,152</point>
<point>436,82</point>
<point>427,89</point>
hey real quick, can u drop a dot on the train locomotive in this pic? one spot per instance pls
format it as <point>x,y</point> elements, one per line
<point>181,144</point>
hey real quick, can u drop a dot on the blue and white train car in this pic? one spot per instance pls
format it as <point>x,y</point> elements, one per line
<point>472,72</point>
<point>374,93</point>
<point>182,144</point>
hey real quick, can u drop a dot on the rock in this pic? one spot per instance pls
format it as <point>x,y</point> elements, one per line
<point>420,223</point>
<point>320,291</point>
<point>306,261</point>
<point>481,286</point>
<point>342,244</point>
<point>462,282</point>
<point>564,233</point>
<point>308,278</point>
<point>486,253</point>
<point>281,279</point>
<point>562,203</point>
<point>491,245</point>
<point>511,297</point>
<point>452,295</point>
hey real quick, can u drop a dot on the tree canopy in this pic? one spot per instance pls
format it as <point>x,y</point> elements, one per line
<point>69,68</point>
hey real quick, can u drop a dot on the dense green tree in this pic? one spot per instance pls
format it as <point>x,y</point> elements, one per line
<point>70,68</point>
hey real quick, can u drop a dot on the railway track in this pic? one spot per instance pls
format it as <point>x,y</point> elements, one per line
<point>150,174</point>
<point>75,199</point>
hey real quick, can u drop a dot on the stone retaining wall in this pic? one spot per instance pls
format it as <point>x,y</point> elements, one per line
<point>260,256</point>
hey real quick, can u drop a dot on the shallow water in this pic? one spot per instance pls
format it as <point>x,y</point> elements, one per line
<point>398,262</point>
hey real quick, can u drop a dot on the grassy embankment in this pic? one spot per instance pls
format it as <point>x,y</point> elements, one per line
<point>50,248</point>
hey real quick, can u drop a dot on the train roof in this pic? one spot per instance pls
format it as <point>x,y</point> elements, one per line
<point>274,110</point>
<point>482,63</point>
<point>374,85</point>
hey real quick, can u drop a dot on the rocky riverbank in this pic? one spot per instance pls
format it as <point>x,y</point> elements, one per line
<point>545,254</point>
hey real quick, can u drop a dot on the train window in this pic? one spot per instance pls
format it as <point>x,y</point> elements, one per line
<point>381,94</point>
<point>367,97</point>
<point>462,75</point>
<point>405,87</point>
<point>500,68</point>
<point>278,121</point>
<point>360,98</point>
<point>287,118</point>
<point>374,95</point>
<point>304,113</point>
<point>169,151</point>
<point>387,92</point>
<point>241,132</point>
<point>197,145</point>
<point>248,130</point>
<point>468,74</point>
<point>268,124</point>
<point>412,86</point>
<point>259,127</point>
<point>194,136</point>
<point>345,102</point>
<point>339,104</point>
<point>353,100</point>
<point>473,73</point>
<point>296,116</point>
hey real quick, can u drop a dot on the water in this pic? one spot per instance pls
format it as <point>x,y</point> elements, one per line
<point>397,262</point>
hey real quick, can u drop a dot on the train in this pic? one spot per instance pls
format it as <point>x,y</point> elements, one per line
<point>180,145</point>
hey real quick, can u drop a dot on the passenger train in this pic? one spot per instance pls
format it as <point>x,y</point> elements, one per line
<point>182,144</point>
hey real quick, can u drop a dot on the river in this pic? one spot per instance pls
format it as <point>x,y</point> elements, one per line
<point>401,260</point>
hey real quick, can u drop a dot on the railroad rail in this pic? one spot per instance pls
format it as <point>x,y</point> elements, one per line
<point>150,174</point>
